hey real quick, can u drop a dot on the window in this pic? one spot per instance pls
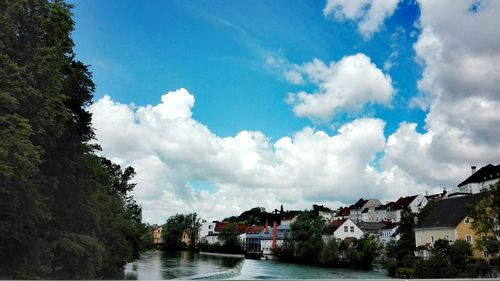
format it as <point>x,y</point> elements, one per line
<point>352,228</point>
<point>468,238</point>
<point>486,254</point>
<point>432,239</point>
<point>467,220</point>
<point>447,237</point>
<point>346,229</point>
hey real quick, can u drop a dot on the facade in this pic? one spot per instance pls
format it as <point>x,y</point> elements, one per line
<point>481,179</point>
<point>389,233</point>
<point>356,210</point>
<point>345,229</point>
<point>342,214</point>
<point>415,203</point>
<point>206,228</point>
<point>382,212</point>
<point>157,236</point>
<point>327,215</point>
<point>449,221</point>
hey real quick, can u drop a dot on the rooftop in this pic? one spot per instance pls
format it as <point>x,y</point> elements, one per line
<point>486,173</point>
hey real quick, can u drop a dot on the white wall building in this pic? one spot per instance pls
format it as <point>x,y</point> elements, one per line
<point>345,229</point>
<point>481,179</point>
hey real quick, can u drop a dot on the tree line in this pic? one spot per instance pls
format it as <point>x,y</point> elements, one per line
<point>65,212</point>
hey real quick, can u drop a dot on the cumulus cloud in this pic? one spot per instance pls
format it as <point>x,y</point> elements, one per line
<point>459,49</point>
<point>344,86</point>
<point>369,14</point>
<point>169,149</point>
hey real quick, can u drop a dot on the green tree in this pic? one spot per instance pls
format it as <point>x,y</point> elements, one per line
<point>486,218</point>
<point>367,249</point>
<point>306,234</point>
<point>460,252</point>
<point>229,239</point>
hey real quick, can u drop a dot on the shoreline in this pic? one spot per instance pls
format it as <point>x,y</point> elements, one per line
<point>222,255</point>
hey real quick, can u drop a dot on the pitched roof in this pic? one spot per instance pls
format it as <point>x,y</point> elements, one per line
<point>358,205</point>
<point>343,212</point>
<point>240,227</point>
<point>254,229</point>
<point>385,206</point>
<point>449,212</point>
<point>370,226</point>
<point>336,224</point>
<point>403,202</point>
<point>487,172</point>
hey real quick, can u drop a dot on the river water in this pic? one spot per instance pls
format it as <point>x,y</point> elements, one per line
<point>158,265</point>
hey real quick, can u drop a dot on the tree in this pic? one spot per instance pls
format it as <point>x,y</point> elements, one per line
<point>329,255</point>
<point>460,252</point>
<point>228,237</point>
<point>486,218</point>
<point>173,230</point>
<point>306,234</point>
<point>367,250</point>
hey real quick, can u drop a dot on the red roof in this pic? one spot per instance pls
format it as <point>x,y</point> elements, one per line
<point>254,229</point>
<point>343,212</point>
<point>336,224</point>
<point>221,225</point>
<point>403,202</point>
<point>348,240</point>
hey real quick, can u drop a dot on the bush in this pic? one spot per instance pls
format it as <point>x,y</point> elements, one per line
<point>391,267</point>
<point>405,272</point>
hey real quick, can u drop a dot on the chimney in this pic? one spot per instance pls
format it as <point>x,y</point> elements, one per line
<point>275,234</point>
<point>473,168</point>
<point>427,193</point>
<point>266,228</point>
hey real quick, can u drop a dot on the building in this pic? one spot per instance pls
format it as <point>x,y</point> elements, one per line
<point>206,228</point>
<point>327,215</point>
<point>356,210</point>
<point>449,221</point>
<point>249,238</point>
<point>343,229</point>
<point>342,214</point>
<point>382,212</point>
<point>157,236</point>
<point>415,203</point>
<point>389,233</point>
<point>274,237</point>
<point>481,179</point>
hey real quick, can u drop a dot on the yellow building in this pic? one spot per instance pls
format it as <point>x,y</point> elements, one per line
<point>449,221</point>
<point>157,237</point>
<point>185,238</point>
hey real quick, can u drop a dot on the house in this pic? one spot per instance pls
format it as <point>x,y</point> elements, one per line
<point>246,237</point>
<point>342,214</point>
<point>436,197</point>
<point>327,215</point>
<point>481,179</point>
<point>273,237</point>
<point>415,203</point>
<point>289,217</point>
<point>206,228</point>
<point>449,221</point>
<point>219,226</point>
<point>343,229</point>
<point>356,210</point>
<point>157,236</point>
<point>389,233</point>
<point>382,212</point>
<point>370,227</point>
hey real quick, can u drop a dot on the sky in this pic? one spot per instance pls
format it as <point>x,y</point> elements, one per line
<point>222,106</point>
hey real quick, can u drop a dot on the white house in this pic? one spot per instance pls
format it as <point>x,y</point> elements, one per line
<point>326,215</point>
<point>389,233</point>
<point>206,228</point>
<point>481,179</point>
<point>415,203</point>
<point>345,229</point>
<point>356,210</point>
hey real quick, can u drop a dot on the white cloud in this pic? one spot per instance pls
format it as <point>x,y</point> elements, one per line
<point>344,86</point>
<point>459,49</point>
<point>169,149</point>
<point>370,14</point>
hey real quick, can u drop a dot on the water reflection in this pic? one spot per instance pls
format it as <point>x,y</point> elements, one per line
<point>158,265</point>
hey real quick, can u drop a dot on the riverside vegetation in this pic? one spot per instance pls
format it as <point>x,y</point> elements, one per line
<point>65,212</point>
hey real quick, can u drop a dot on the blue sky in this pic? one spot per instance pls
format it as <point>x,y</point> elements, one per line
<point>218,49</point>
<point>222,106</point>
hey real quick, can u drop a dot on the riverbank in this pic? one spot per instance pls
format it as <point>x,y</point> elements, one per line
<point>222,255</point>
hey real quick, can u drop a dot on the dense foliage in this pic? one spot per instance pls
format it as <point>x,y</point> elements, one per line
<point>229,242</point>
<point>177,226</point>
<point>486,218</point>
<point>255,216</point>
<point>64,211</point>
<point>307,246</point>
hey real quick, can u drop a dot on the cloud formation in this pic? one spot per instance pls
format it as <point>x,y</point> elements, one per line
<point>459,49</point>
<point>369,14</point>
<point>170,150</point>
<point>344,86</point>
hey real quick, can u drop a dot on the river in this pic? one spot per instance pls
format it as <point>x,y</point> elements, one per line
<point>158,265</point>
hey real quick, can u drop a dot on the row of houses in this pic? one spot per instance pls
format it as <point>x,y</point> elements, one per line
<point>448,220</point>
